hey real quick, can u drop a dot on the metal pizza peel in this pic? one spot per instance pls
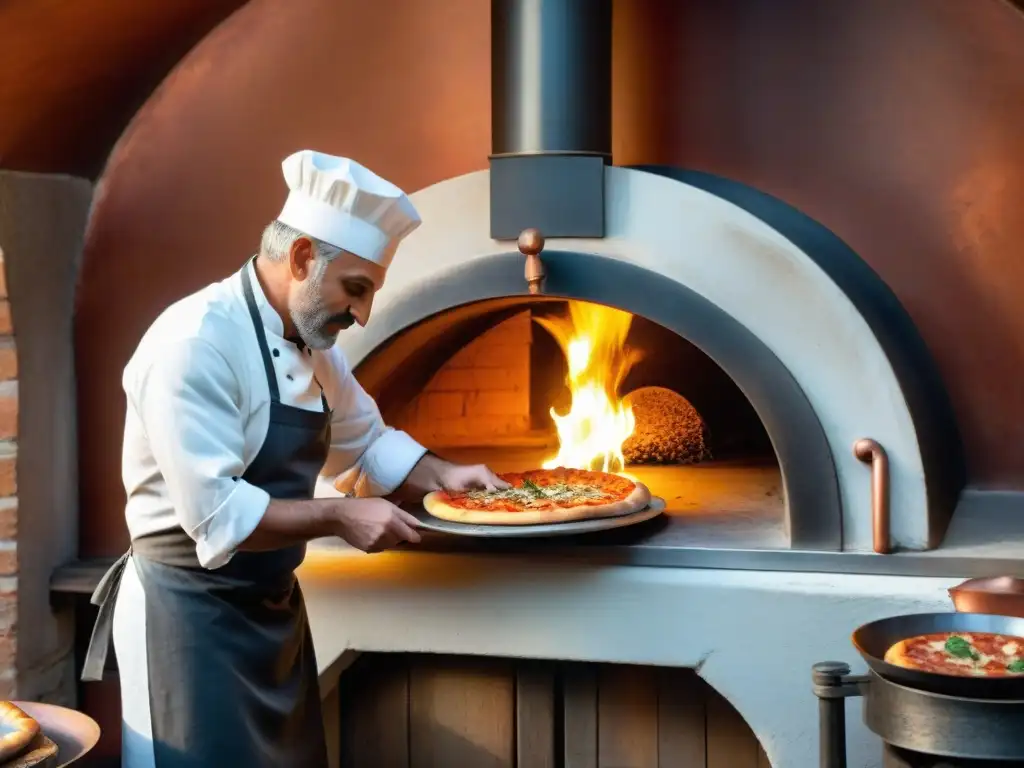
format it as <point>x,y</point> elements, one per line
<point>430,523</point>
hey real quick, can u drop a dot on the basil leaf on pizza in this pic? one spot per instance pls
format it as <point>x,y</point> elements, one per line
<point>542,496</point>
<point>533,489</point>
<point>957,646</point>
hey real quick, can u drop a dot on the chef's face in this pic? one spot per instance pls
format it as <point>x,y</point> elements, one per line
<point>326,297</point>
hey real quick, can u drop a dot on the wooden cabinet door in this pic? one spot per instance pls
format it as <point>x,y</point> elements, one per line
<point>424,711</point>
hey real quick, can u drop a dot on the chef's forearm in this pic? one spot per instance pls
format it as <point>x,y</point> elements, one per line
<point>382,467</point>
<point>424,478</point>
<point>286,523</point>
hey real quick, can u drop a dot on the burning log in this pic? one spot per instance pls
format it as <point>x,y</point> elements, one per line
<point>668,429</point>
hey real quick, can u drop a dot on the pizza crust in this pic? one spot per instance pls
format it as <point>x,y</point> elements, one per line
<point>435,504</point>
<point>897,655</point>
<point>17,729</point>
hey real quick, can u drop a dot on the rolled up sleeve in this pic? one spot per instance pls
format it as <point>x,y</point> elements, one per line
<point>188,401</point>
<point>367,457</point>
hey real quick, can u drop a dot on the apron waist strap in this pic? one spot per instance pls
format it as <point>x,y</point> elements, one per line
<point>261,571</point>
<point>173,548</point>
<point>105,596</point>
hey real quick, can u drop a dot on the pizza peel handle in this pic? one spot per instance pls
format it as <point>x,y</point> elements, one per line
<point>874,639</point>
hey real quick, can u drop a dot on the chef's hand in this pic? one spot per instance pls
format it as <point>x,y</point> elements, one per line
<point>374,525</point>
<point>433,474</point>
<point>462,477</point>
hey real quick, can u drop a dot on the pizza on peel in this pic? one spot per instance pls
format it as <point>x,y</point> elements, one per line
<point>974,654</point>
<point>542,496</point>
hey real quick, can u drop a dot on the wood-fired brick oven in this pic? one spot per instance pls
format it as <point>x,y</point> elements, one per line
<point>830,430</point>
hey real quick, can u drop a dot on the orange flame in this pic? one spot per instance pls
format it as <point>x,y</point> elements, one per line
<point>591,434</point>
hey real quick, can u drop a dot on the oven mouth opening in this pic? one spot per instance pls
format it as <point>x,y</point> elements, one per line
<point>477,383</point>
<point>426,323</point>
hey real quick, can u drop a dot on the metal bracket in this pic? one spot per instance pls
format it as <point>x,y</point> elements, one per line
<point>833,684</point>
<point>832,680</point>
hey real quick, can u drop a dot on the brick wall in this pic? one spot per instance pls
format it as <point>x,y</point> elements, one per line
<point>482,392</point>
<point>8,496</point>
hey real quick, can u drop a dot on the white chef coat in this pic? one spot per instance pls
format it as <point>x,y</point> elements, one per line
<point>198,410</point>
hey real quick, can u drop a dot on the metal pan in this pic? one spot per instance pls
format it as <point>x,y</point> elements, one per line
<point>874,639</point>
<point>431,523</point>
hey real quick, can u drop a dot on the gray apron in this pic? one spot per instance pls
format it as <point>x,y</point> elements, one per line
<point>232,675</point>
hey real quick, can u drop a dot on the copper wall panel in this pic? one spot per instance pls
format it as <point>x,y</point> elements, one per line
<point>897,124</point>
<point>72,74</point>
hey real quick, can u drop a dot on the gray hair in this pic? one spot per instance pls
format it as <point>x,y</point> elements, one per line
<point>278,238</point>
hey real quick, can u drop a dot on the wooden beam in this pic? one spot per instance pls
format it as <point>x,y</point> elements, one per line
<point>579,696</point>
<point>535,714</point>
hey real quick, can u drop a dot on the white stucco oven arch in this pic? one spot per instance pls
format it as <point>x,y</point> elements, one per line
<point>821,312</point>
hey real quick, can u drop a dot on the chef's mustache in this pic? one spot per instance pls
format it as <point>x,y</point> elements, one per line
<point>344,319</point>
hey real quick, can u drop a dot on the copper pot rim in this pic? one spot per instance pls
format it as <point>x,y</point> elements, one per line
<point>1009,586</point>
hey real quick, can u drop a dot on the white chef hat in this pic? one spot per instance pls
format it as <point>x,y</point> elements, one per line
<point>340,202</point>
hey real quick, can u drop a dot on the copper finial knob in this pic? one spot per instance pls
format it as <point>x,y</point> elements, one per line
<point>531,243</point>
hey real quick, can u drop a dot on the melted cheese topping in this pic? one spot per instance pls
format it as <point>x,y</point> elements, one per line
<point>978,661</point>
<point>538,496</point>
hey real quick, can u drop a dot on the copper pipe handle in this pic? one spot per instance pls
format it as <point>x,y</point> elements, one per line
<point>868,450</point>
<point>531,243</point>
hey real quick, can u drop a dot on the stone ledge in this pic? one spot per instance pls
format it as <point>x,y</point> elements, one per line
<point>80,577</point>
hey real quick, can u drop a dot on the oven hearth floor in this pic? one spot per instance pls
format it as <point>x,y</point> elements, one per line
<point>735,504</point>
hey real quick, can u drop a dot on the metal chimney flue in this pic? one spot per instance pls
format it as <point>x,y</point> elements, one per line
<point>551,70</point>
<point>551,116</point>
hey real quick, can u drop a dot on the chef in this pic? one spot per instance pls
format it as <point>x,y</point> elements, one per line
<point>241,409</point>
